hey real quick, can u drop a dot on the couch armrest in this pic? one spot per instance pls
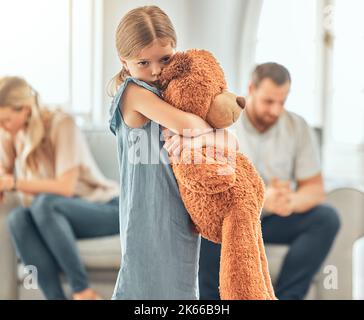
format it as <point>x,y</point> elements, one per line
<point>349,203</point>
<point>8,261</point>
<point>358,274</point>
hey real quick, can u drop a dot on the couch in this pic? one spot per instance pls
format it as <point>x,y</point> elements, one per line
<point>102,255</point>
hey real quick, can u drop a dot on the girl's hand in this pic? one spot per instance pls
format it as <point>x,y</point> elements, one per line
<point>6,182</point>
<point>177,143</point>
<point>221,139</point>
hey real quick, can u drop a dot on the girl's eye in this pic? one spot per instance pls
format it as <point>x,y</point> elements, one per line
<point>18,108</point>
<point>166,59</point>
<point>143,63</point>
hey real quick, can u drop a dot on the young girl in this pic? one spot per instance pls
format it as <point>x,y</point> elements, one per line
<point>160,250</point>
<point>65,196</point>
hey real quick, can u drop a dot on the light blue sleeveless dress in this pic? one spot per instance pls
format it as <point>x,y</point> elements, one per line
<point>160,252</point>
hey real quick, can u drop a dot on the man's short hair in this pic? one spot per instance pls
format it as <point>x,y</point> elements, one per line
<point>271,70</point>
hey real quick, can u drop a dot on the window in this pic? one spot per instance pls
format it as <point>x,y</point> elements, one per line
<point>347,109</point>
<point>56,46</point>
<point>35,45</point>
<point>288,34</point>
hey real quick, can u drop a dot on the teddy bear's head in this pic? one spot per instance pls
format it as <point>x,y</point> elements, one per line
<point>194,82</point>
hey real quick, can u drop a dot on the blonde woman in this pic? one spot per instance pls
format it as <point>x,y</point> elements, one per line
<point>45,158</point>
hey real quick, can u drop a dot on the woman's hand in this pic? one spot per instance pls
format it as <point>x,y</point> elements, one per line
<point>6,182</point>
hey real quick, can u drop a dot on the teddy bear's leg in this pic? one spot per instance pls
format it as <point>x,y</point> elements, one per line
<point>264,263</point>
<point>241,276</point>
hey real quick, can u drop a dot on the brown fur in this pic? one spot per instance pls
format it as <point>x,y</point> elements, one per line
<point>223,194</point>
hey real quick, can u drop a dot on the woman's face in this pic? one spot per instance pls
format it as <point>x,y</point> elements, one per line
<point>14,118</point>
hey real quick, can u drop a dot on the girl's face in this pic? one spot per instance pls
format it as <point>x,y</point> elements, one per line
<point>148,65</point>
<point>14,118</point>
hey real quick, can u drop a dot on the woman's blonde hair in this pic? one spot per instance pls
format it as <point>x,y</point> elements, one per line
<point>16,92</point>
<point>138,29</point>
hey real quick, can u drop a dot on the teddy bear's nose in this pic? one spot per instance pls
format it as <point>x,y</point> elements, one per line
<point>241,102</point>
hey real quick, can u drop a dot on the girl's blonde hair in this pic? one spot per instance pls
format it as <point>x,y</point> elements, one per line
<point>138,29</point>
<point>16,92</point>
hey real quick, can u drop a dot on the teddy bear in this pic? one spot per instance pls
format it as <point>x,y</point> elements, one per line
<point>221,190</point>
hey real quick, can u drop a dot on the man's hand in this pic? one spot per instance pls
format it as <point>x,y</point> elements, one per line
<point>279,198</point>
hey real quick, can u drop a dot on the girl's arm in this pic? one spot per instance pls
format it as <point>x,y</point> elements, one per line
<point>154,108</point>
<point>64,185</point>
<point>221,139</point>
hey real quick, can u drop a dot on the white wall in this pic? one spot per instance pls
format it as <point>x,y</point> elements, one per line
<point>214,25</point>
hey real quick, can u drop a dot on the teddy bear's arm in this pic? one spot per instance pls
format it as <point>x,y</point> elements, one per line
<point>203,174</point>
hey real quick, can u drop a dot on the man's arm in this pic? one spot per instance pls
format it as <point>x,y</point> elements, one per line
<point>283,201</point>
<point>310,193</point>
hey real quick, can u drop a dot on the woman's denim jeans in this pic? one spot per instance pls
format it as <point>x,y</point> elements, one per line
<point>45,236</point>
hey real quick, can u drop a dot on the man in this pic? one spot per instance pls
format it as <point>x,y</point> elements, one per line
<point>282,147</point>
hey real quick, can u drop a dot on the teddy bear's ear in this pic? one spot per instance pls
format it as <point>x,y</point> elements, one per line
<point>177,68</point>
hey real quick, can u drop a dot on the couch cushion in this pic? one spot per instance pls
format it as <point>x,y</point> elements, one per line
<point>104,149</point>
<point>101,253</point>
<point>275,255</point>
